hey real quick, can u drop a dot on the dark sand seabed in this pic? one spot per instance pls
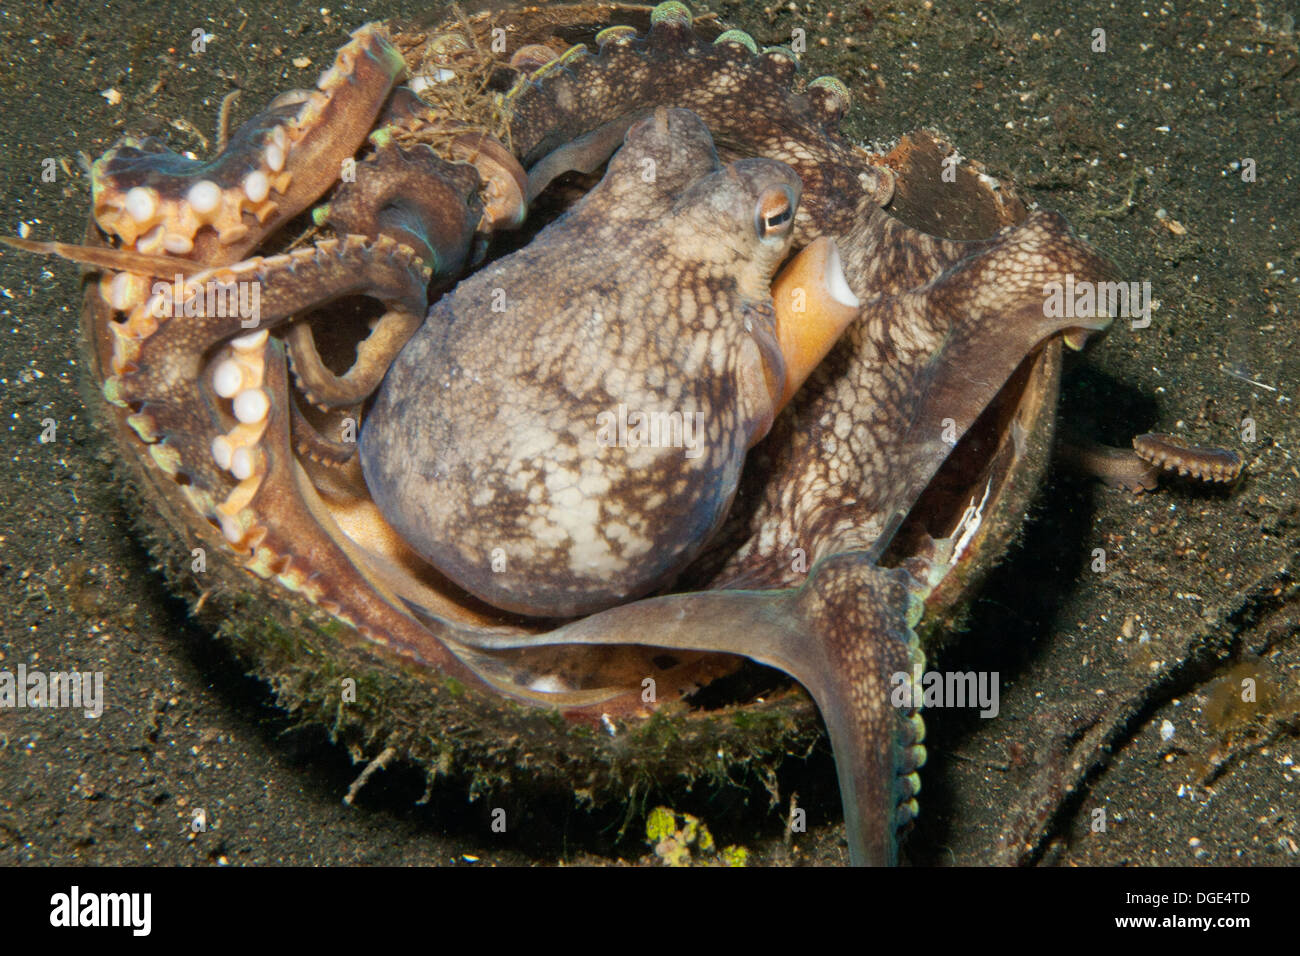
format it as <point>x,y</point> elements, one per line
<point>1138,146</point>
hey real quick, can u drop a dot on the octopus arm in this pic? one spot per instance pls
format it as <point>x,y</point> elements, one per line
<point>845,635</point>
<point>989,313</point>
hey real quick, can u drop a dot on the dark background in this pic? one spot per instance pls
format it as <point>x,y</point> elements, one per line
<point>1134,145</point>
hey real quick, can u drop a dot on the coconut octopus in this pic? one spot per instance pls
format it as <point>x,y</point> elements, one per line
<point>905,453</point>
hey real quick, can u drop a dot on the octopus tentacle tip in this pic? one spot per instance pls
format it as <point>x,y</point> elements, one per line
<point>846,599</point>
<point>122,260</point>
<point>505,184</point>
<point>1171,453</point>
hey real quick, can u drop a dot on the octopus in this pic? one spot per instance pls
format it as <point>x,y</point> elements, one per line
<point>877,396</point>
<point>484,436</point>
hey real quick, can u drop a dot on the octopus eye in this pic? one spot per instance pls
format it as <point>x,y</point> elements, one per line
<point>774,214</point>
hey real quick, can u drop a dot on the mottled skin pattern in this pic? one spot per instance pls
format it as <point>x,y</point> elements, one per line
<point>484,448</point>
<point>943,325</point>
<point>865,436</point>
<point>571,116</point>
<point>853,455</point>
<point>416,199</point>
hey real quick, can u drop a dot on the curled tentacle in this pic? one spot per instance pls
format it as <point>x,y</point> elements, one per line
<point>322,387</point>
<point>1137,469</point>
<point>409,120</point>
<point>409,196</point>
<point>161,351</point>
<point>1171,453</point>
<point>846,635</point>
<point>273,167</point>
<point>276,287</point>
<point>414,198</point>
<point>312,442</point>
<point>504,180</point>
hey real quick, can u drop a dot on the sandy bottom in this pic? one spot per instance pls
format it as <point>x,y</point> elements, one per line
<point>1120,689</point>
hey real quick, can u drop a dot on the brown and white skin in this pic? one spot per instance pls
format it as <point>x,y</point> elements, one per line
<point>497,446</point>
<point>220,428</point>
